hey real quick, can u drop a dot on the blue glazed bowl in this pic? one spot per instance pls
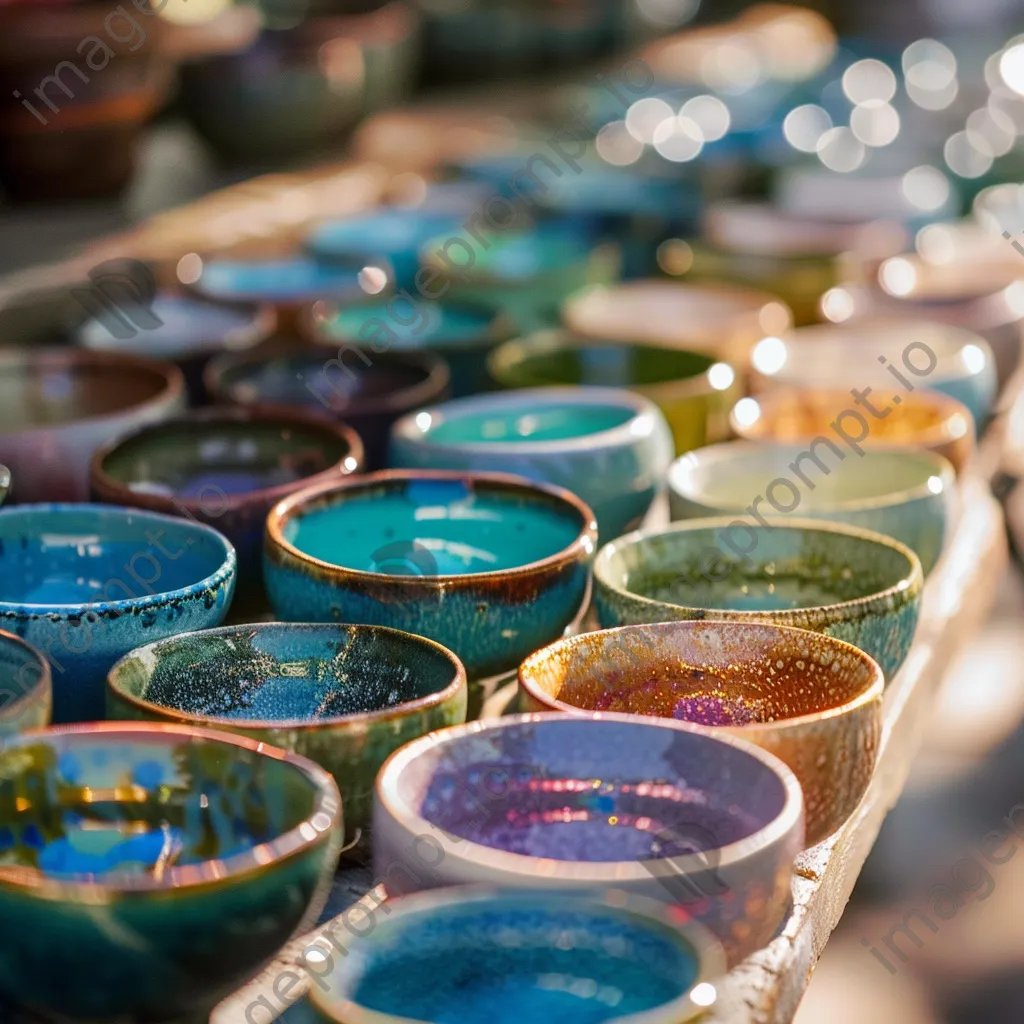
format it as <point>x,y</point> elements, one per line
<point>612,448</point>
<point>146,871</point>
<point>26,690</point>
<point>492,567</point>
<point>86,584</point>
<point>487,956</point>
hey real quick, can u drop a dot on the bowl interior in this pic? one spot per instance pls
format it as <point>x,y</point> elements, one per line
<point>518,257</point>
<point>71,555</point>
<point>278,673</point>
<point>714,674</point>
<point>383,231</point>
<point>285,280</point>
<point>591,791</point>
<point>419,325</point>
<point>434,527</point>
<point>112,804</point>
<point>189,458</point>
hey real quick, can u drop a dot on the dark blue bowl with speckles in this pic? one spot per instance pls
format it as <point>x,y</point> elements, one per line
<point>86,584</point>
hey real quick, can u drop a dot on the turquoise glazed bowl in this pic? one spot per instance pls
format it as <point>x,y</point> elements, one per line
<point>490,566</point>
<point>85,584</point>
<point>346,697</point>
<point>487,956</point>
<point>829,578</point>
<point>610,447</point>
<point>662,809</point>
<point>26,690</point>
<point>146,871</point>
<point>906,493</point>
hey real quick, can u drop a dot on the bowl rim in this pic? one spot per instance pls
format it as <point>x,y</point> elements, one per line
<point>223,574</point>
<point>209,873</point>
<point>649,915</point>
<point>166,712</point>
<point>41,687</point>
<point>296,504</point>
<point>713,454</point>
<point>408,430</point>
<point>909,585</point>
<point>609,873</point>
<point>112,490</point>
<point>869,694</point>
<point>316,241</point>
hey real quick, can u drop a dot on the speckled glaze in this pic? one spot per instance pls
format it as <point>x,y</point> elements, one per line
<point>85,584</point>
<point>226,468</point>
<point>366,389</point>
<point>904,493</point>
<point>924,419</point>
<point>612,448</point>
<point>154,868</point>
<point>484,956</point>
<point>346,697</point>
<point>838,580</point>
<point>658,808</point>
<point>57,406</point>
<point>811,700</point>
<point>490,566</point>
<point>693,391</point>
<point>26,690</point>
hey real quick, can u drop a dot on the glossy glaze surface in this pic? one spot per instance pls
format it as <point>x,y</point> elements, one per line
<point>26,690</point>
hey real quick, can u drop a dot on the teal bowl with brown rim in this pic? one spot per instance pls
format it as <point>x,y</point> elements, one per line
<point>848,583</point>
<point>346,697</point>
<point>26,689</point>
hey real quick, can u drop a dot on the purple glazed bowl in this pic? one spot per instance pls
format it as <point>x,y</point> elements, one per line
<point>657,808</point>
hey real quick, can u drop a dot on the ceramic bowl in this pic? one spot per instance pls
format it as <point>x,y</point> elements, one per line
<point>26,689</point>
<point>344,696</point>
<point>654,807</point>
<point>58,406</point>
<point>723,321</point>
<point>189,333</point>
<point>903,493</point>
<point>612,448</point>
<point>924,419</point>
<point>215,848</point>
<point>490,955</point>
<point>462,335</point>
<point>226,468</point>
<point>829,578</point>
<point>366,389</point>
<point>694,391</point>
<point>811,700</point>
<point>490,566</point>
<point>86,584</point>
<point>916,354</point>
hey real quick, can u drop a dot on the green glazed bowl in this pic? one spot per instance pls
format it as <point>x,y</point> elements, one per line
<point>346,697</point>
<point>694,391</point>
<point>905,493</point>
<point>838,580</point>
<point>26,690</point>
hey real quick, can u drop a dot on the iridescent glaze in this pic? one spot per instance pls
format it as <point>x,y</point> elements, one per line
<point>152,868</point>
<point>26,690</point>
<point>813,701</point>
<point>847,583</point>
<point>346,697</point>
<point>658,808</point>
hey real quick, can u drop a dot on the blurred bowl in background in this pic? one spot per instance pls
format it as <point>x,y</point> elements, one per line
<point>26,689</point>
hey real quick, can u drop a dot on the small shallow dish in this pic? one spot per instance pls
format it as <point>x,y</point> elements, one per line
<point>610,447</point>
<point>905,493</point>
<point>85,584</point>
<point>845,582</point>
<point>888,359</point>
<point>346,697</point>
<point>487,956</point>
<point>26,689</point>
<point>490,566</point>
<point>654,807</point>
<point>366,389</point>
<point>216,848</point>
<point>811,700</point>
<point>694,391</point>
<point>924,419</point>
<point>58,406</point>
<point>226,468</point>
